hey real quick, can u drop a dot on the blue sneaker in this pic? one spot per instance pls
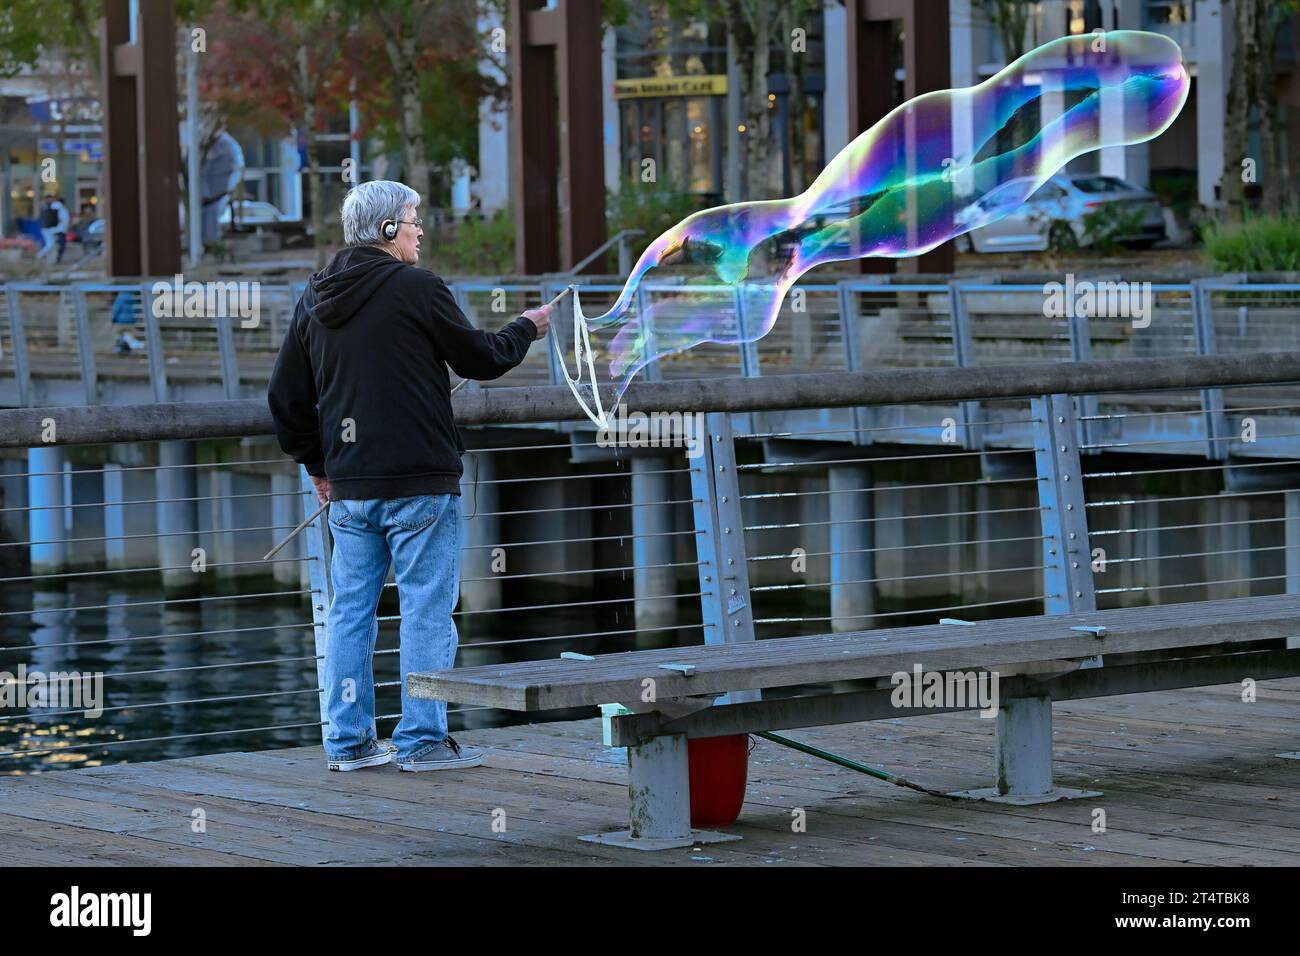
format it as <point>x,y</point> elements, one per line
<point>375,755</point>
<point>446,755</point>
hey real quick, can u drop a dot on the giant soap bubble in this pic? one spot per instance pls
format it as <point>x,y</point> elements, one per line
<point>935,167</point>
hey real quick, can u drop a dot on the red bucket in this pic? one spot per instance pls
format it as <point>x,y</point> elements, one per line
<point>719,767</point>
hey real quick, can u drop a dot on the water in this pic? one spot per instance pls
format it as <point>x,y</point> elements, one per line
<point>238,664</point>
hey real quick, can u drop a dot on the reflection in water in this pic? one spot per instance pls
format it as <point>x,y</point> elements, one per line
<point>179,676</point>
<point>158,662</point>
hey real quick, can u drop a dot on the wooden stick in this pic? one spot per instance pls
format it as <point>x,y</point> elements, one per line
<point>556,300</point>
<point>295,532</point>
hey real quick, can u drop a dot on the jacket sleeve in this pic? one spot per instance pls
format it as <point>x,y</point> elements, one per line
<point>292,398</point>
<point>473,353</point>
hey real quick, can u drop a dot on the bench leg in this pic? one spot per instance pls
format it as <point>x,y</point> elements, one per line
<point>659,789</point>
<point>1023,748</point>
<point>1023,756</point>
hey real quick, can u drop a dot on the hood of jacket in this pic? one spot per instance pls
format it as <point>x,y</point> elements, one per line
<point>338,292</point>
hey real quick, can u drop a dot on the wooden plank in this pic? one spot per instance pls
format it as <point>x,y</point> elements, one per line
<point>281,834</point>
<point>30,842</point>
<point>1204,790</point>
<point>781,662</point>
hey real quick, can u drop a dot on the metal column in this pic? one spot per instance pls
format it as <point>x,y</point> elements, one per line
<point>658,770</point>
<point>1023,745</point>
<point>317,540</point>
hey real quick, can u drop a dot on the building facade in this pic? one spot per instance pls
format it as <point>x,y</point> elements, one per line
<point>669,96</point>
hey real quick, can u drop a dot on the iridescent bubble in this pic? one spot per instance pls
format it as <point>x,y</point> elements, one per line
<point>935,167</point>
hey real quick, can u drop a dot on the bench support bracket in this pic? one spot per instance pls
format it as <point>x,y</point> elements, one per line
<point>1023,756</point>
<point>659,789</point>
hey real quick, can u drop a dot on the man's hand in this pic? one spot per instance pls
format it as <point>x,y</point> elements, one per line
<point>322,484</point>
<point>540,317</point>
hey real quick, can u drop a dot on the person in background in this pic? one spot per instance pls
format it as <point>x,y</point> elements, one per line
<point>61,223</point>
<point>49,220</point>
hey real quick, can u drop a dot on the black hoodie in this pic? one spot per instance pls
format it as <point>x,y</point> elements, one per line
<point>360,391</point>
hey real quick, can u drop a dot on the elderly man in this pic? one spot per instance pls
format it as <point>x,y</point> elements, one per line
<point>361,398</point>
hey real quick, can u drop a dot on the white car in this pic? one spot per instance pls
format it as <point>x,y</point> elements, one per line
<point>252,212</point>
<point>1061,204</point>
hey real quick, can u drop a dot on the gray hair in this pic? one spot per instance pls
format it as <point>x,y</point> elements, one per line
<point>367,205</point>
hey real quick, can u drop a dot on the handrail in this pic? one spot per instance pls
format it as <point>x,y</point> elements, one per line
<point>600,250</point>
<point>23,427</point>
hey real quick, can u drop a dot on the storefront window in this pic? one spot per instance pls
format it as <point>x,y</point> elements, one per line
<point>680,119</point>
<point>700,175</point>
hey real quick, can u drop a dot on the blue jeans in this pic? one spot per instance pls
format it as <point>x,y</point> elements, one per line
<point>422,536</point>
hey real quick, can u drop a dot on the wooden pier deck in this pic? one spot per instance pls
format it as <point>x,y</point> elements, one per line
<point>1190,778</point>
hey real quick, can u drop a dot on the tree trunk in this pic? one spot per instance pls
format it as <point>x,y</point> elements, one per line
<point>794,73</point>
<point>758,123</point>
<point>1241,94</point>
<point>308,90</point>
<point>1273,180</point>
<point>403,55</point>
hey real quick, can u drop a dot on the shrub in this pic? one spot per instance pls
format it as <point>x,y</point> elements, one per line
<point>651,207</point>
<point>1260,243</point>
<point>1105,226</point>
<point>476,246</point>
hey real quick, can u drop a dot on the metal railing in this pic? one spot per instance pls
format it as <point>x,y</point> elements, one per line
<point>89,343</point>
<point>1040,491</point>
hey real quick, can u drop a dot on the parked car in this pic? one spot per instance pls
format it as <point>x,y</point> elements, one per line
<point>1060,204</point>
<point>252,212</point>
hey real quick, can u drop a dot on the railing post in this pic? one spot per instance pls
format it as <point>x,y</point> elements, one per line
<point>153,338</point>
<point>1291,543</point>
<point>964,353</point>
<point>1081,351</point>
<point>864,417</point>
<point>749,363</point>
<point>85,347</point>
<point>322,589</point>
<point>18,340</point>
<point>1216,423</point>
<point>226,350</point>
<point>652,372</point>
<point>1023,740</point>
<point>720,542</point>
<point>549,291</point>
<point>1067,558</point>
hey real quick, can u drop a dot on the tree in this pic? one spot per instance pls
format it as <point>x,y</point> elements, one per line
<point>284,63</point>
<point>431,83</point>
<point>1011,20</point>
<point>795,17</point>
<point>435,80</point>
<point>32,29</point>
<point>1252,88</point>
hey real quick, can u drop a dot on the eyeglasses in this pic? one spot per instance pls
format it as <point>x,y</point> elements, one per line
<point>417,223</point>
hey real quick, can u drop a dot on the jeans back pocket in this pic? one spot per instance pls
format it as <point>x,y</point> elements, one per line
<point>413,513</point>
<point>339,514</point>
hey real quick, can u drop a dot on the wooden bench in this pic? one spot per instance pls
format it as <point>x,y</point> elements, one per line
<point>712,690</point>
